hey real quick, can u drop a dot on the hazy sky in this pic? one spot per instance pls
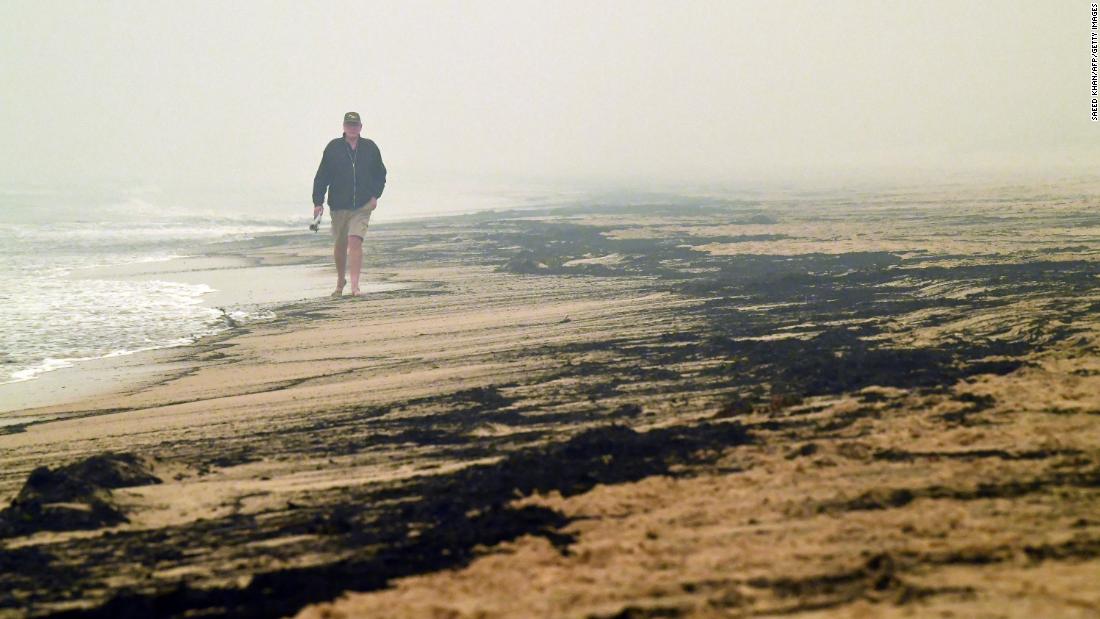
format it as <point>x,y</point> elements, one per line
<point>246,94</point>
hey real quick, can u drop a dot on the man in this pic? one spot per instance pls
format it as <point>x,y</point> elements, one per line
<point>353,173</point>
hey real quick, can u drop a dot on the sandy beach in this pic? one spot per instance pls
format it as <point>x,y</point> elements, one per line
<point>857,405</point>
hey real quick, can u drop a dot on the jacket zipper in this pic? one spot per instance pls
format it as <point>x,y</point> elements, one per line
<point>354,182</point>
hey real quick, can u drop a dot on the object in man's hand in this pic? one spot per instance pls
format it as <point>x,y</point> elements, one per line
<point>316,223</point>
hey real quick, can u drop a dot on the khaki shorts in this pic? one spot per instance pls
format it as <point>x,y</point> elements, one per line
<point>352,222</point>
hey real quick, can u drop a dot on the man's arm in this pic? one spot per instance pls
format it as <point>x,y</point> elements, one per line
<point>378,173</point>
<point>321,181</point>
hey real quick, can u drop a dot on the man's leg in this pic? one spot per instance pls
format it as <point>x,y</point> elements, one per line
<point>355,257</point>
<point>339,247</point>
<point>340,255</point>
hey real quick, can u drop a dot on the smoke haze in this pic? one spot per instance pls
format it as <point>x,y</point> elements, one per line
<point>244,95</point>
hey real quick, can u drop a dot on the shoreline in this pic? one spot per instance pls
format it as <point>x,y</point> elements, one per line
<point>267,293</point>
<point>670,409</point>
<point>21,397</point>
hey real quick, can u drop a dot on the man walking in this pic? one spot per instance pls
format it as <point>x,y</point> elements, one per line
<point>352,172</point>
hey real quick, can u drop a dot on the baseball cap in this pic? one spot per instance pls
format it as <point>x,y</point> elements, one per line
<point>352,117</point>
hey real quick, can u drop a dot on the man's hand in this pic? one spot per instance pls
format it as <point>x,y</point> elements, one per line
<point>373,204</point>
<point>317,210</point>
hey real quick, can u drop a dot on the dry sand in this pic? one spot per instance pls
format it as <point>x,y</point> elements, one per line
<point>663,409</point>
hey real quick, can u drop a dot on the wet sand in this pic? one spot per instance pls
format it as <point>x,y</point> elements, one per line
<point>248,279</point>
<point>872,405</point>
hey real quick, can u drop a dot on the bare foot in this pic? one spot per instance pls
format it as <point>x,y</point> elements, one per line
<point>339,289</point>
<point>355,292</point>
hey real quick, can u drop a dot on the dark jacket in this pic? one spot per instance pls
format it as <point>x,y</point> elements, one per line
<point>352,177</point>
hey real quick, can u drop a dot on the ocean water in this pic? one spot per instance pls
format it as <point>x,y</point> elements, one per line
<point>52,317</point>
